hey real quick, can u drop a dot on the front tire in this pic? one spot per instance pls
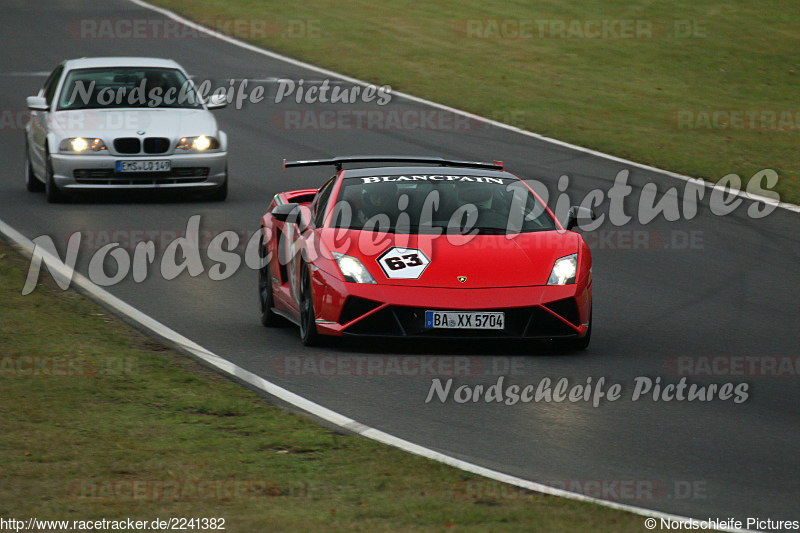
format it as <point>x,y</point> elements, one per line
<point>51,190</point>
<point>309,335</point>
<point>268,317</point>
<point>32,183</point>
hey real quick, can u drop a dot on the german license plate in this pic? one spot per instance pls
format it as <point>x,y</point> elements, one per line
<point>144,166</point>
<point>464,319</point>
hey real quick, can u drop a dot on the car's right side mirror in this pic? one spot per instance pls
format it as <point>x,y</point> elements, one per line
<point>578,216</point>
<point>37,103</point>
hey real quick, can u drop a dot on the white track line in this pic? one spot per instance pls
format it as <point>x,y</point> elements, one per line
<point>326,72</point>
<point>133,315</point>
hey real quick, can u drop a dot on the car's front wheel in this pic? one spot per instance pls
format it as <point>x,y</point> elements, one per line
<point>268,316</point>
<point>51,190</point>
<point>309,335</point>
<point>31,181</point>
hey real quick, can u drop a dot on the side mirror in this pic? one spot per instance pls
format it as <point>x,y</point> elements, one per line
<point>37,103</point>
<point>291,214</point>
<point>578,216</point>
<point>217,101</point>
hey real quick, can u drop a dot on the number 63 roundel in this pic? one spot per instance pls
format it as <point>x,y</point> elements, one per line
<point>403,263</point>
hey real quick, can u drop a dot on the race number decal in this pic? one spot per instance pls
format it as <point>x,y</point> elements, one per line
<point>403,263</point>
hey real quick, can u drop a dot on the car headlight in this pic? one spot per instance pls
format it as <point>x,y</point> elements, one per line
<point>352,269</point>
<point>82,144</point>
<point>200,143</point>
<point>564,270</point>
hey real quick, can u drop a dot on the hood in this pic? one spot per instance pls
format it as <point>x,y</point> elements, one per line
<point>485,260</point>
<point>108,124</point>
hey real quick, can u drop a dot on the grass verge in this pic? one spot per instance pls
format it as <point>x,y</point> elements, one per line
<point>99,421</point>
<point>694,87</point>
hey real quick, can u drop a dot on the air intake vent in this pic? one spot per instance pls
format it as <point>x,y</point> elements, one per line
<point>127,145</point>
<point>566,308</point>
<point>156,145</point>
<point>354,307</point>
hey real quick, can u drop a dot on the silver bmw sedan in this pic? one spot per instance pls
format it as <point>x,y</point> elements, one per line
<point>123,123</point>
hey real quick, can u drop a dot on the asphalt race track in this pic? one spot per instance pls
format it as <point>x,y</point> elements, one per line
<point>722,286</point>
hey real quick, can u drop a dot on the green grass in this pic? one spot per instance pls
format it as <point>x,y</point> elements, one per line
<point>98,421</point>
<point>619,96</point>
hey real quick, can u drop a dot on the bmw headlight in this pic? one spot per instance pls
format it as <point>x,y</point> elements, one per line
<point>82,144</point>
<point>352,269</point>
<point>200,143</point>
<point>564,270</point>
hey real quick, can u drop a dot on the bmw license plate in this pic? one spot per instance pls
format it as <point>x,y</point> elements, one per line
<point>144,166</point>
<point>465,319</point>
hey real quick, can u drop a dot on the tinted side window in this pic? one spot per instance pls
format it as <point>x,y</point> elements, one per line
<point>321,201</point>
<point>49,89</point>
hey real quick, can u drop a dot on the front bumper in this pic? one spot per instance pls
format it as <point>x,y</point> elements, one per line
<point>399,311</point>
<point>97,172</point>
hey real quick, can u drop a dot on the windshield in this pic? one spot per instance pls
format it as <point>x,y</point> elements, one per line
<point>118,87</point>
<point>430,203</point>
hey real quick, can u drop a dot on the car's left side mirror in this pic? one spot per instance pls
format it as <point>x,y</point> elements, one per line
<point>290,213</point>
<point>217,101</point>
<point>578,216</point>
<point>37,103</point>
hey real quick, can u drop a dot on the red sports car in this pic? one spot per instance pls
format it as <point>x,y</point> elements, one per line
<point>424,247</point>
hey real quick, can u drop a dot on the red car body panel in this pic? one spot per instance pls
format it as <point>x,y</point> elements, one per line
<point>503,272</point>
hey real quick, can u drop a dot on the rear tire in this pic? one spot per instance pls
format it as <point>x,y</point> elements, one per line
<point>309,335</point>
<point>268,317</point>
<point>51,190</point>
<point>32,183</point>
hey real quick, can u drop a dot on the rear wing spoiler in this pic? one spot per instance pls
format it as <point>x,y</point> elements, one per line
<point>339,161</point>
